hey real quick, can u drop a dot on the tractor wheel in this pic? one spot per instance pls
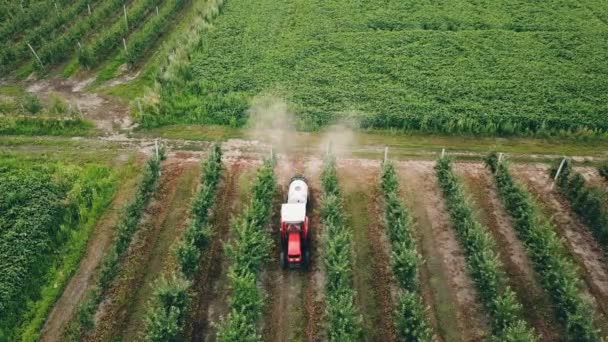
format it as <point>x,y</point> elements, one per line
<point>284,264</point>
<point>306,259</point>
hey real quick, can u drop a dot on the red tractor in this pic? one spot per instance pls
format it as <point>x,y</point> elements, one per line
<point>295,233</point>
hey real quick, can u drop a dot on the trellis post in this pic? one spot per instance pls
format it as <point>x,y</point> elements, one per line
<point>124,9</point>
<point>385,154</point>
<point>559,171</point>
<point>35,54</point>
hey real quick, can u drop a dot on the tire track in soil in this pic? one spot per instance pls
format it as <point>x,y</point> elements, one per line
<point>143,255</point>
<point>579,241</point>
<point>522,278</point>
<point>207,285</point>
<point>98,243</point>
<point>460,315</point>
<point>292,309</point>
<point>373,280</point>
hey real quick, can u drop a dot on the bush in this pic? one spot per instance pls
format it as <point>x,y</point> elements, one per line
<point>483,263</point>
<point>167,313</point>
<point>31,103</point>
<point>557,273</point>
<point>250,248</point>
<point>603,170</point>
<point>411,320</point>
<point>343,319</point>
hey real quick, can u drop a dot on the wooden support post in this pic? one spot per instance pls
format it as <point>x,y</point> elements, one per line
<point>35,54</point>
<point>124,43</point>
<point>385,154</point>
<point>499,157</point>
<point>156,149</point>
<point>442,152</point>
<point>56,8</point>
<point>89,7</point>
<point>156,10</point>
<point>124,9</point>
<point>559,171</point>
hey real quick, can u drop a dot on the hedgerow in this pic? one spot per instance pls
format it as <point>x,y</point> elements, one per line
<point>46,212</point>
<point>343,319</point>
<point>141,41</point>
<point>91,54</point>
<point>165,315</point>
<point>109,265</point>
<point>411,320</point>
<point>251,247</point>
<point>587,202</point>
<point>558,275</point>
<point>62,47</point>
<point>483,262</point>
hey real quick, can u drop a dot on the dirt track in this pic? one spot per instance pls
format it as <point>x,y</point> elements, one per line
<point>164,219</point>
<point>293,294</point>
<point>209,284</point>
<point>99,241</point>
<point>459,314</point>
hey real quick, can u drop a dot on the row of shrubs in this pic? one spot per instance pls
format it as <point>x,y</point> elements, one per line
<point>60,48</point>
<point>166,314</point>
<point>250,248</point>
<point>25,19</point>
<point>110,39</point>
<point>142,40</point>
<point>483,262</point>
<point>46,31</point>
<point>410,315</point>
<point>343,319</point>
<point>109,266</point>
<point>558,275</point>
<point>587,202</point>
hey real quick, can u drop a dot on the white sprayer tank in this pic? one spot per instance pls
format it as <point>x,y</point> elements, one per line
<point>298,192</point>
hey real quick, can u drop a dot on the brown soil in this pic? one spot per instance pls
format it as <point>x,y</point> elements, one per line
<point>98,242</point>
<point>445,264</point>
<point>145,258</point>
<point>373,279</point>
<point>291,293</point>
<point>578,239</point>
<point>207,286</point>
<point>522,278</point>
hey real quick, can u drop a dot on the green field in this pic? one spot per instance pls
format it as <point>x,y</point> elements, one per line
<point>484,67</point>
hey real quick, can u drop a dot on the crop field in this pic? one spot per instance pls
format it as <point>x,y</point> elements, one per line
<point>455,153</point>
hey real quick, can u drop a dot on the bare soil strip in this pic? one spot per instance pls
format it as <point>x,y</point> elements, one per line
<point>98,243</point>
<point>164,221</point>
<point>372,273</point>
<point>459,313</point>
<point>578,239</point>
<point>290,309</point>
<point>538,309</point>
<point>212,267</point>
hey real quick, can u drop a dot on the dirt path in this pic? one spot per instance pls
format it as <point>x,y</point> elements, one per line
<point>538,310</point>
<point>212,267</point>
<point>459,314</point>
<point>164,221</point>
<point>372,274</point>
<point>98,243</point>
<point>292,309</point>
<point>579,241</point>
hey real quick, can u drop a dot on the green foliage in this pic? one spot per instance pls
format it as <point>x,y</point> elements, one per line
<point>411,320</point>
<point>167,313</point>
<point>558,275</point>
<point>47,31</point>
<point>587,202</point>
<point>251,247</point>
<point>46,212</point>
<point>110,39</point>
<point>61,48</point>
<point>31,103</point>
<point>142,40</point>
<point>408,65</point>
<point>483,262</point>
<point>343,318</point>
<point>109,266</point>
<point>23,125</point>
